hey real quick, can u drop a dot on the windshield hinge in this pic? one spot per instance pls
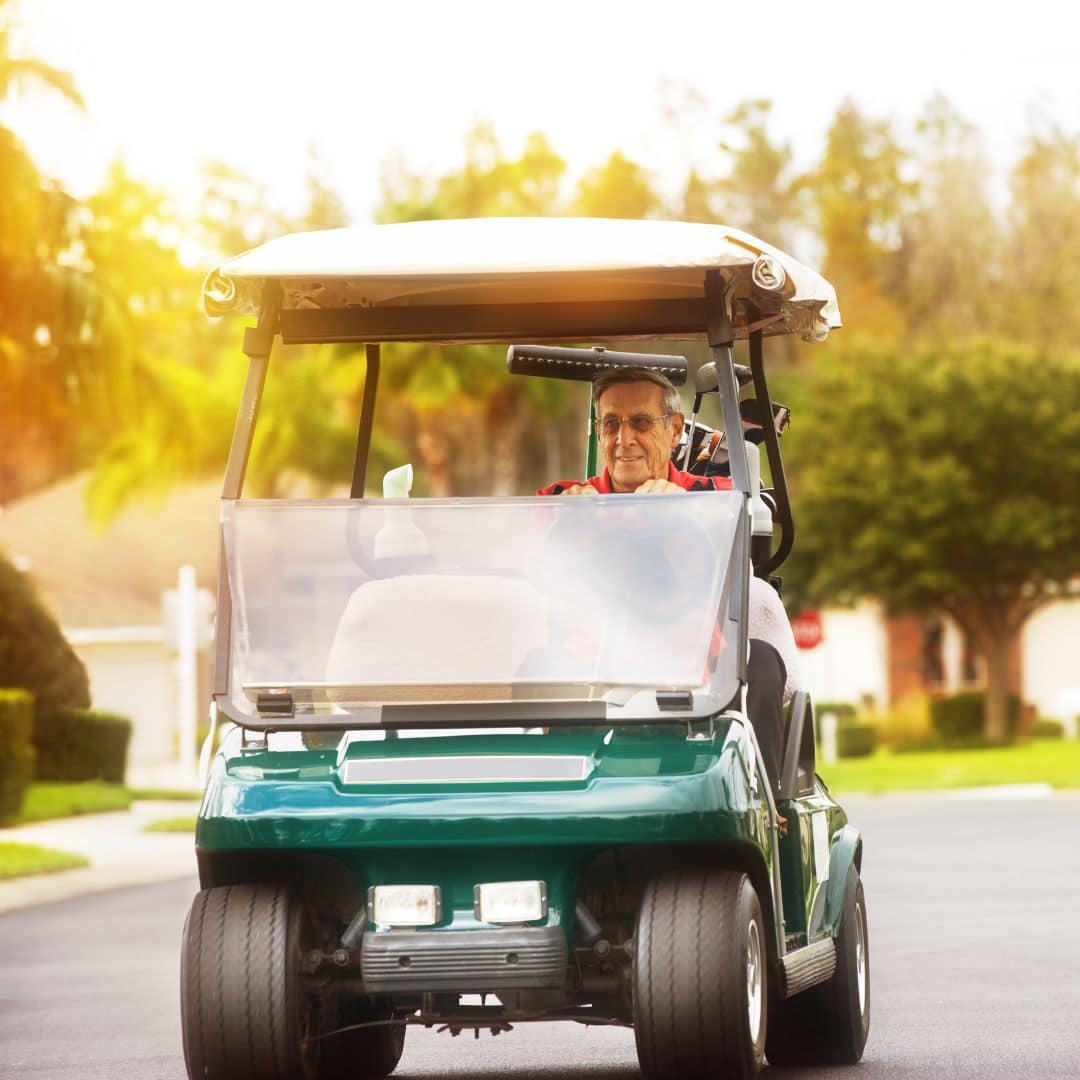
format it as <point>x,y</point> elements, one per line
<point>674,700</point>
<point>275,703</point>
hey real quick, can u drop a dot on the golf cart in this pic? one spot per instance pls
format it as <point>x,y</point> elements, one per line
<point>488,760</point>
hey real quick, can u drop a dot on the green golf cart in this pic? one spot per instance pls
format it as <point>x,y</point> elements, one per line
<point>487,761</point>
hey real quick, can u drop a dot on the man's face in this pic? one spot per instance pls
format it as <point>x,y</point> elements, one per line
<point>632,457</point>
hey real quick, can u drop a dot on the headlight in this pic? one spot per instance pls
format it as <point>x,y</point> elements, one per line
<point>405,905</point>
<point>510,901</point>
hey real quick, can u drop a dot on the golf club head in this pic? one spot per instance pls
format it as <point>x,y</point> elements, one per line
<point>707,382</point>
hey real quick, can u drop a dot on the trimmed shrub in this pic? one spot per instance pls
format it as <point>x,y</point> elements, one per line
<point>843,710</point>
<point>905,723</point>
<point>78,744</point>
<point>960,717</point>
<point>1046,729</point>
<point>16,750</point>
<point>34,654</point>
<point>856,740</point>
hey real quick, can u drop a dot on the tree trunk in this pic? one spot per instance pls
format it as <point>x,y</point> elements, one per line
<point>994,627</point>
<point>434,447</point>
<point>996,716</point>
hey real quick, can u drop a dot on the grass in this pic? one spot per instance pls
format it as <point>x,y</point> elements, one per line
<point>46,801</point>
<point>172,824</point>
<point>21,860</point>
<point>1050,761</point>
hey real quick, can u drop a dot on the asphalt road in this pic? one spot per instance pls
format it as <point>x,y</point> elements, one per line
<point>975,952</point>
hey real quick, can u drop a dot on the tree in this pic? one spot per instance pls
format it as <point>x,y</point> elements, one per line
<point>456,399</point>
<point>619,188</point>
<point>951,240</point>
<point>40,295</point>
<point>1042,263</point>
<point>34,654</point>
<point>944,479</point>
<point>859,197</point>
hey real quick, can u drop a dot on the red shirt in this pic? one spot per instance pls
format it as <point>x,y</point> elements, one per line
<point>686,480</point>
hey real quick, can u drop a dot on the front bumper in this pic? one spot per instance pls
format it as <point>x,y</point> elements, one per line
<point>464,961</point>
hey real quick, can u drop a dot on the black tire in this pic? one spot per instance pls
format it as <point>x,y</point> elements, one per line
<point>828,1024</point>
<point>243,1013</point>
<point>699,934</point>
<point>361,1053</point>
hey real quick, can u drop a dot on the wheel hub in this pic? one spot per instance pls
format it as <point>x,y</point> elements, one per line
<point>754,997</point>
<point>860,956</point>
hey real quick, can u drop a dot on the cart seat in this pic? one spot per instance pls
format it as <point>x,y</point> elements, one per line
<point>405,632</point>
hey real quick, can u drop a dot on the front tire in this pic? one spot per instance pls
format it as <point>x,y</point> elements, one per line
<point>243,1013</point>
<point>700,985</point>
<point>829,1024</point>
<point>362,1052</point>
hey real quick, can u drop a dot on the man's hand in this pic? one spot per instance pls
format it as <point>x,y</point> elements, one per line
<point>663,486</point>
<point>581,489</point>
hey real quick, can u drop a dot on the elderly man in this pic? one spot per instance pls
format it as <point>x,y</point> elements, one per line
<point>639,422</point>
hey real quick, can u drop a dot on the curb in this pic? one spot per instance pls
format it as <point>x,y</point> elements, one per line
<point>120,853</point>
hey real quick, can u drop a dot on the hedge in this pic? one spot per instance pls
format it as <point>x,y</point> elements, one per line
<point>1047,729</point>
<point>34,654</point>
<point>844,711</point>
<point>855,740</point>
<point>16,750</point>
<point>960,717</point>
<point>79,744</point>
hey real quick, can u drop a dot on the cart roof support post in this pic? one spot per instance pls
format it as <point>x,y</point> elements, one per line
<point>258,341</point>
<point>772,449</point>
<point>367,420</point>
<point>721,338</point>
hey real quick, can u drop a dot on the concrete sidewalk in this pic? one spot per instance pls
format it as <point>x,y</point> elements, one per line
<point>120,853</point>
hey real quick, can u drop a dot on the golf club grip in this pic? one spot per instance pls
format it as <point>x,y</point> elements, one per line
<point>558,362</point>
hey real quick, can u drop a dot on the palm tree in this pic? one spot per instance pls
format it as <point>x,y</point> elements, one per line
<point>16,72</point>
<point>36,293</point>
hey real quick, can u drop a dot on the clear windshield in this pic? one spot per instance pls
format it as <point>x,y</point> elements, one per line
<point>351,606</point>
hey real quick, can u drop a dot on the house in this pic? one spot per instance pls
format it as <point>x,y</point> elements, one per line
<point>106,590</point>
<point>862,654</point>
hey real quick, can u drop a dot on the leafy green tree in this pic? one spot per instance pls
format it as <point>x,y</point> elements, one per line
<point>25,72</point>
<point>34,654</point>
<point>1041,273</point>
<point>457,402</point>
<point>950,253</point>
<point>944,479</point>
<point>859,196</point>
<point>620,188</point>
<point>40,296</point>
<point>489,184</point>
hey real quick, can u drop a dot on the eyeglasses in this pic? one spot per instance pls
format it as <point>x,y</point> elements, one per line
<point>610,426</point>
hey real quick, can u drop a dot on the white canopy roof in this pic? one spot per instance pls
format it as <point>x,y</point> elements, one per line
<point>491,262</point>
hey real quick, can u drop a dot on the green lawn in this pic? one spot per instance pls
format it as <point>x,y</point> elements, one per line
<point>21,860</point>
<point>46,801</point>
<point>172,824</point>
<point>1049,761</point>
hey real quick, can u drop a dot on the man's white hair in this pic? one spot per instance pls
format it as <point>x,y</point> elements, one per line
<point>607,379</point>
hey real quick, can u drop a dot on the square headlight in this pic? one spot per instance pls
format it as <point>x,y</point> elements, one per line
<point>405,905</point>
<point>510,901</point>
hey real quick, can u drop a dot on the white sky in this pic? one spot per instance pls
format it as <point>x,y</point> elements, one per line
<point>256,83</point>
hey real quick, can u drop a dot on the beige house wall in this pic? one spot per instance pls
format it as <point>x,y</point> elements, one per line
<point>133,672</point>
<point>1050,659</point>
<point>850,663</point>
<point>852,660</point>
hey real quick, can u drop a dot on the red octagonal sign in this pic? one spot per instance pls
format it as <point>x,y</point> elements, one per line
<point>808,629</point>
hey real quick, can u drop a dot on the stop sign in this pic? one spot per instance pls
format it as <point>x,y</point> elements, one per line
<point>808,629</point>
